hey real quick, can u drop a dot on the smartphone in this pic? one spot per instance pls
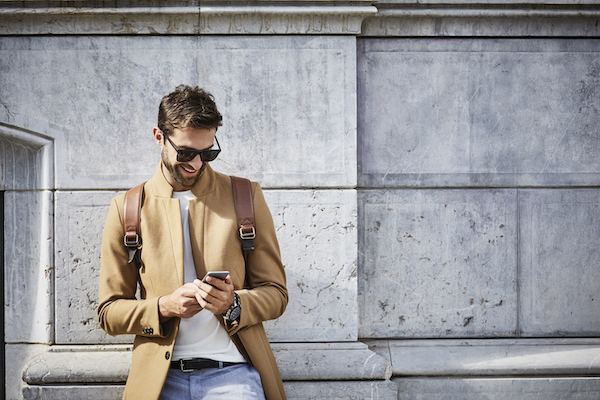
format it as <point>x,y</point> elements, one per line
<point>216,274</point>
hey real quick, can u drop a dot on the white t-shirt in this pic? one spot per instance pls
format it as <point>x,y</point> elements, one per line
<point>202,335</point>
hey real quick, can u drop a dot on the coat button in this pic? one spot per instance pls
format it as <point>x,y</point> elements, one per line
<point>168,355</point>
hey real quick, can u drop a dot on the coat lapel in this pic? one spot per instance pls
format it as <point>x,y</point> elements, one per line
<point>173,213</point>
<point>197,209</point>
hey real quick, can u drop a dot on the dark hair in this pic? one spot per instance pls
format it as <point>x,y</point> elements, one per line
<point>188,107</point>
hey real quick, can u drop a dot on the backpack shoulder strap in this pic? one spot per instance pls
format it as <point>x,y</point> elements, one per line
<point>132,234</point>
<point>244,210</point>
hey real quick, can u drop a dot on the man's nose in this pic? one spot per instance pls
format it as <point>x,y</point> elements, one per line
<point>196,162</point>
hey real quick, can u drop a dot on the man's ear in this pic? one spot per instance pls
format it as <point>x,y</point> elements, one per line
<point>158,136</point>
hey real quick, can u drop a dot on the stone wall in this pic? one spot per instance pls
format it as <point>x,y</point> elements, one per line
<point>431,168</point>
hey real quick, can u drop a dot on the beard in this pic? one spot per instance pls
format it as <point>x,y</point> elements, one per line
<point>185,181</point>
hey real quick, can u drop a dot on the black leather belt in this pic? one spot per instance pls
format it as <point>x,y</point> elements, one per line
<point>194,364</point>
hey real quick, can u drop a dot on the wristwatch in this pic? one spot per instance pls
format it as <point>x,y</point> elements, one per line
<point>233,314</point>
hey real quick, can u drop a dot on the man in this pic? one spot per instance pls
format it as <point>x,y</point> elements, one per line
<point>192,340</point>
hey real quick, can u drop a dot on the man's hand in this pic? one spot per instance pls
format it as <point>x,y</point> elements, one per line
<point>216,295</point>
<point>182,303</point>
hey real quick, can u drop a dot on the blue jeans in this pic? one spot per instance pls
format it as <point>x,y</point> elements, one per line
<point>240,382</point>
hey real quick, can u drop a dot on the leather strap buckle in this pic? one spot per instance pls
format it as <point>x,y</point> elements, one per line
<point>132,239</point>
<point>247,235</point>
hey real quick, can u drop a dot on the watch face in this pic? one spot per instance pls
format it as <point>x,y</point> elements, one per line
<point>235,313</point>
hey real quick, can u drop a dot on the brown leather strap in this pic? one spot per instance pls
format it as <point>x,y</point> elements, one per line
<point>244,209</point>
<point>132,234</point>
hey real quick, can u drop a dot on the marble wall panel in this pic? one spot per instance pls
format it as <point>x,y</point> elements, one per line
<point>317,236</point>
<point>437,263</point>
<point>289,103</point>
<point>28,267</point>
<point>478,112</point>
<point>559,262</point>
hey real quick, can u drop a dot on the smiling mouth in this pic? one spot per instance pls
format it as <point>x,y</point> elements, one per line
<point>189,170</point>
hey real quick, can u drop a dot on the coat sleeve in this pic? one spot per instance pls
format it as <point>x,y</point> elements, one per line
<point>119,311</point>
<point>265,296</point>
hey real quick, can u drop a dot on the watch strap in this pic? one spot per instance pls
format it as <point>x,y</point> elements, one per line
<point>234,309</point>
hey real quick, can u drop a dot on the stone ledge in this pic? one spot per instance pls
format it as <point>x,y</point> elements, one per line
<point>513,388</point>
<point>330,362</point>
<point>480,22</point>
<point>297,362</point>
<point>498,357</point>
<point>336,390</point>
<point>322,20</point>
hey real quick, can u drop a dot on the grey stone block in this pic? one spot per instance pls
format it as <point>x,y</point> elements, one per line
<point>559,259</point>
<point>317,236</point>
<point>464,112</point>
<point>437,263</point>
<point>78,241</point>
<point>289,102</point>
<point>558,388</point>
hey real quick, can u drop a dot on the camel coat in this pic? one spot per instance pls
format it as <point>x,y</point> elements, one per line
<point>215,246</point>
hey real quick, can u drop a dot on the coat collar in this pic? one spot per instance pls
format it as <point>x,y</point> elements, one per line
<point>160,187</point>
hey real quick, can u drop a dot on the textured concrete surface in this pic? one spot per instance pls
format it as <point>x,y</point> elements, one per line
<point>77,246</point>
<point>289,102</point>
<point>317,235</point>
<point>437,263</point>
<point>473,112</point>
<point>318,239</point>
<point>559,235</point>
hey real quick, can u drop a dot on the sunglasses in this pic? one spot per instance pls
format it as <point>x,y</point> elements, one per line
<point>189,155</point>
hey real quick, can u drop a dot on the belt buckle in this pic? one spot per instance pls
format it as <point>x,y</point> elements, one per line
<point>181,366</point>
